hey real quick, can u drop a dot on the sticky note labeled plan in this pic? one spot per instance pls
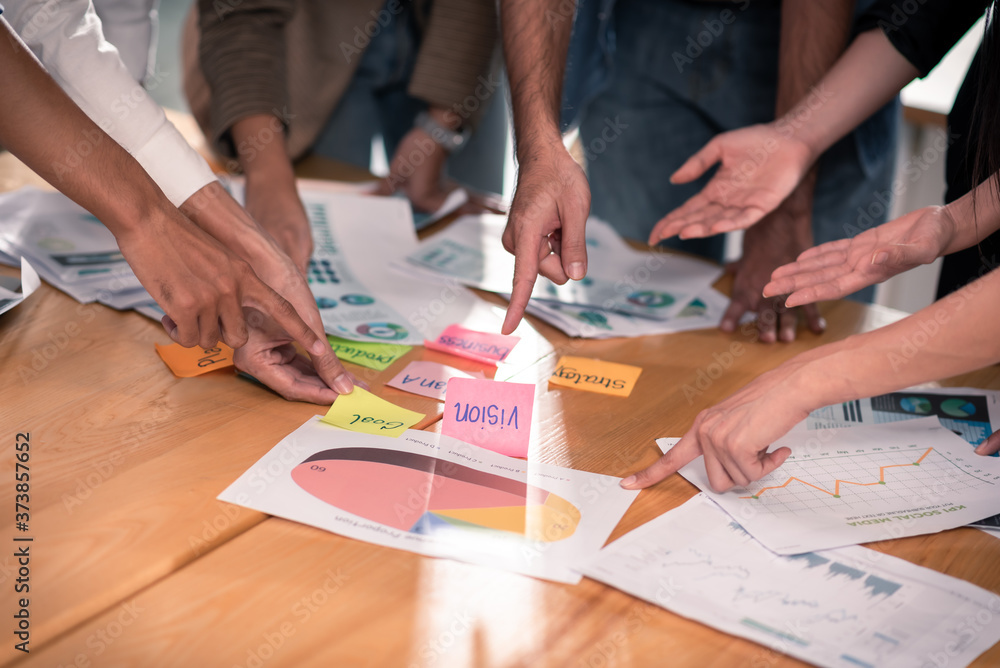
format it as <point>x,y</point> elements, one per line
<point>189,362</point>
<point>480,346</point>
<point>363,411</point>
<point>428,379</point>
<point>376,356</point>
<point>490,414</point>
<point>593,375</point>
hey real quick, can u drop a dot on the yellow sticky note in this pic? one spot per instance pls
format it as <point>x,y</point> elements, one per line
<point>363,411</point>
<point>188,362</point>
<point>593,375</point>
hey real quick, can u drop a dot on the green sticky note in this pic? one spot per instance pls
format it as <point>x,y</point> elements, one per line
<point>376,356</point>
<point>363,411</point>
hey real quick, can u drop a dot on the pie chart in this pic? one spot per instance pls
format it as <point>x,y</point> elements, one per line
<point>916,405</point>
<point>959,408</point>
<point>426,495</point>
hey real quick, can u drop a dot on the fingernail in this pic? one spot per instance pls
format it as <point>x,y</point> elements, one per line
<point>628,482</point>
<point>576,271</point>
<point>880,258</point>
<point>822,324</point>
<point>321,347</point>
<point>342,384</point>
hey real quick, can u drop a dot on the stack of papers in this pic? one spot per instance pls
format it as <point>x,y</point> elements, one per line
<point>626,292</point>
<point>13,291</point>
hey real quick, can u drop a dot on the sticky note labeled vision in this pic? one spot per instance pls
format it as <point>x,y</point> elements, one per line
<point>376,356</point>
<point>490,414</point>
<point>583,373</point>
<point>480,346</point>
<point>428,379</point>
<point>189,362</point>
<point>363,411</point>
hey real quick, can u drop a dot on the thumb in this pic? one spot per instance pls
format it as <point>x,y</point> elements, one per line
<point>573,249</point>
<point>679,456</point>
<point>698,163</point>
<point>990,445</point>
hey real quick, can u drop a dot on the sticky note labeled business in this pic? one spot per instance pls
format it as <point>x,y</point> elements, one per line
<point>190,362</point>
<point>428,379</point>
<point>363,411</point>
<point>480,346</point>
<point>490,414</point>
<point>582,373</point>
<point>376,356</point>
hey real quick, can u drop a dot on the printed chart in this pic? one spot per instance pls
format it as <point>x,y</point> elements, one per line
<point>862,484</point>
<point>841,608</point>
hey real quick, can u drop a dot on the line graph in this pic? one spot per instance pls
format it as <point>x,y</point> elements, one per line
<point>837,483</point>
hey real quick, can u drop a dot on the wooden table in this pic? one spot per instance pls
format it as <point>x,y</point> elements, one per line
<point>134,562</point>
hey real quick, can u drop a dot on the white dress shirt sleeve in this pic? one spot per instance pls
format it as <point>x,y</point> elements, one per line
<point>66,36</point>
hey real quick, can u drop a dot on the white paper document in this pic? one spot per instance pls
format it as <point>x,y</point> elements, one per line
<point>650,285</point>
<point>970,412</point>
<point>845,608</point>
<point>18,289</point>
<point>436,496</point>
<point>863,484</point>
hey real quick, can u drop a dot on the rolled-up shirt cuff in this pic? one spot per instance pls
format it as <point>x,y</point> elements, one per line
<point>171,162</point>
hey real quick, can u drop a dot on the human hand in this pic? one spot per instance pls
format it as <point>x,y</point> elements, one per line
<point>546,228</point>
<point>734,435</point>
<point>990,445</point>
<point>760,167</point>
<point>270,357</point>
<point>838,268</point>
<point>781,236</point>
<point>417,170</point>
<point>276,206</point>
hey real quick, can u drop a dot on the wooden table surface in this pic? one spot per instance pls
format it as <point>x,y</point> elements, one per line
<point>135,563</point>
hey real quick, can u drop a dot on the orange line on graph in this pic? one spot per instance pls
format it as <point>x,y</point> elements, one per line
<point>836,487</point>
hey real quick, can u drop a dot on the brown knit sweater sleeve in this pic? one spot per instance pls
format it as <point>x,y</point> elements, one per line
<point>453,66</point>
<point>242,54</point>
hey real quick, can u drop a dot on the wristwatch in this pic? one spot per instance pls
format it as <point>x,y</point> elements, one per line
<point>449,140</point>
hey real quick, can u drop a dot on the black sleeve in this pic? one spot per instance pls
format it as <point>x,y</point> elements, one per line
<point>923,31</point>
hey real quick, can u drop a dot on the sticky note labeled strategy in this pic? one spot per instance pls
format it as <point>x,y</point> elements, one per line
<point>376,356</point>
<point>582,373</point>
<point>428,379</point>
<point>480,346</point>
<point>363,411</point>
<point>189,362</point>
<point>490,414</point>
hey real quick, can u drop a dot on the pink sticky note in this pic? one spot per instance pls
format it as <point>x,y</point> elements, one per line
<point>428,379</point>
<point>490,414</point>
<point>479,346</point>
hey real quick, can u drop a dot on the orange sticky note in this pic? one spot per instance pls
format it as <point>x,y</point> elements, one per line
<point>582,373</point>
<point>189,362</point>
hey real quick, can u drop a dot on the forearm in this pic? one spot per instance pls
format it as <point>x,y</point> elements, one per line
<point>974,216</point>
<point>851,92</point>
<point>535,49</point>
<point>952,336</point>
<point>42,127</point>
<point>262,151</point>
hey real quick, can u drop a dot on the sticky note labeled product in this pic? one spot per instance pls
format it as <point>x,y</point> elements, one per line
<point>363,411</point>
<point>480,346</point>
<point>490,414</point>
<point>428,379</point>
<point>376,356</point>
<point>582,373</point>
<point>189,362</point>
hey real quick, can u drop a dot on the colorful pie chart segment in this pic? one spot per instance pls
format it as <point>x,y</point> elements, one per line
<point>426,495</point>
<point>959,408</point>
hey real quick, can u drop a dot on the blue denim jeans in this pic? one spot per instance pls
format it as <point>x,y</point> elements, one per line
<point>680,74</point>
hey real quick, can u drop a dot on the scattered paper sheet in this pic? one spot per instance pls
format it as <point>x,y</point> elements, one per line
<point>582,373</point>
<point>428,379</point>
<point>433,495</point>
<point>455,199</point>
<point>651,285</point>
<point>863,484</point>
<point>840,608</point>
<point>363,411</point>
<point>20,288</point>
<point>376,356</point>
<point>490,414</point>
<point>190,362</point>
<point>482,347</point>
